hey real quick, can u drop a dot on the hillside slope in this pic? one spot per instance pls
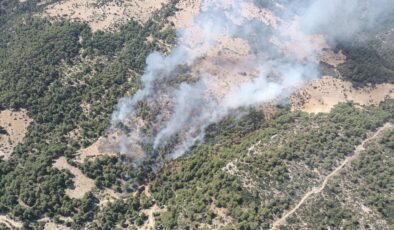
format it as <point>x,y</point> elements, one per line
<point>320,159</point>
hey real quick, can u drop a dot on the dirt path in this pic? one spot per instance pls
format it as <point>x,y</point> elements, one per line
<point>349,159</point>
<point>10,223</point>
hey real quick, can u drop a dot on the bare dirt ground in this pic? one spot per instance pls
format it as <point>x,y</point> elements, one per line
<point>82,183</point>
<point>334,173</point>
<point>93,151</point>
<point>330,57</point>
<point>10,223</point>
<point>187,10</point>
<point>16,124</point>
<point>103,16</point>
<point>54,226</point>
<point>323,94</point>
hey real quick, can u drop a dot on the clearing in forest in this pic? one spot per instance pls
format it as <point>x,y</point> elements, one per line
<point>320,96</point>
<point>92,152</point>
<point>82,184</point>
<point>14,128</point>
<point>105,15</point>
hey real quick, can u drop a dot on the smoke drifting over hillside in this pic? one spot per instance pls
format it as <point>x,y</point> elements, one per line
<point>233,56</point>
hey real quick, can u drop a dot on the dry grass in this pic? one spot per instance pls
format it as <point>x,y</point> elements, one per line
<point>332,58</point>
<point>15,123</point>
<point>187,10</point>
<point>323,94</point>
<point>104,16</point>
<point>94,151</point>
<point>82,184</point>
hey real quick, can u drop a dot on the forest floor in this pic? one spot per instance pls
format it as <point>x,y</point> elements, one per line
<point>360,148</point>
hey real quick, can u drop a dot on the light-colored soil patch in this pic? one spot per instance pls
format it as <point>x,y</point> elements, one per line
<point>15,123</point>
<point>187,9</point>
<point>225,66</point>
<point>323,94</point>
<point>10,223</point>
<point>54,226</point>
<point>330,57</point>
<point>108,196</point>
<point>104,16</point>
<point>82,184</point>
<point>360,148</point>
<point>97,149</point>
<point>150,222</point>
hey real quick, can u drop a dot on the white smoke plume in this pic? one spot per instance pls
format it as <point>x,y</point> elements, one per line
<point>234,55</point>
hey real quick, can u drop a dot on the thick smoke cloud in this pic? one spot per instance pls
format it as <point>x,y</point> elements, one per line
<point>234,56</point>
<point>340,20</point>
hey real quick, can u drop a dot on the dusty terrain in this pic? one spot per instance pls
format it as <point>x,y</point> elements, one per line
<point>323,94</point>
<point>82,183</point>
<point>103,16</point>
<point>184,16</point>
<point>16,124</point>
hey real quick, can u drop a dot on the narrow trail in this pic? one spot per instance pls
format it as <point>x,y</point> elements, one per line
<point>10,223</point>
<point>349,159</point>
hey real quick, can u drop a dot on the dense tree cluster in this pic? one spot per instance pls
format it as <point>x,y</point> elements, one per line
<point>189,186</point>
<point>34,57</point>
<point>3,131</point>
